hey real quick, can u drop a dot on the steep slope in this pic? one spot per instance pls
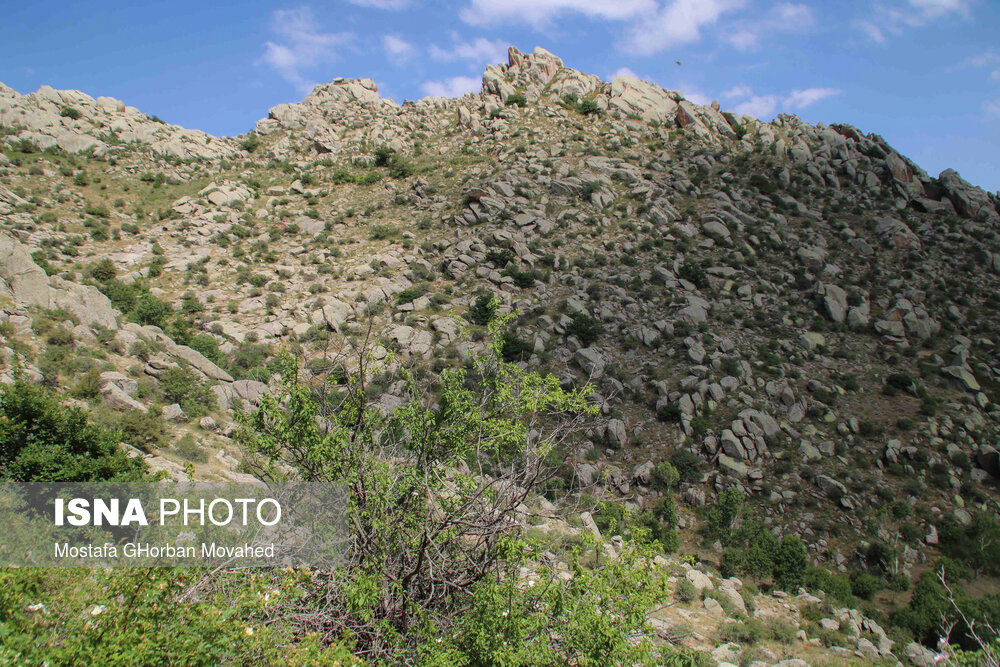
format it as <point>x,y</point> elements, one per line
<point>797,311</point>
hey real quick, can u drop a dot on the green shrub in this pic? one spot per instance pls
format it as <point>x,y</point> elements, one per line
<point>686,591</point>
<point>44,441</point>
<point>669,412</point>
<point>396,165</point>
<point>585,328</point>
<point>790,563</point>
<point>693,272</point>
<point>411,294</point>
<point>142,430</point>
<point>103,270</point>
<point>481,416</point>
<point>724,514</point>
<point>180,385</point>
<point>864,585</point>
<point>251,143</point>
<point>838,587</point>
<point>482,309</point>
<point>666,476</point>
<point>688,465</point>
<point>588,107</point>
<point>88,386</point>
<point>190,450</point>
<point>70,112</point>
<point>208,346</point>
<point>516,99</point>
<point>150,310</point>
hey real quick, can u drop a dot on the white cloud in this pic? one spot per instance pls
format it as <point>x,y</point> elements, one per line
<point>677,23</point>
<point>381,4</point>
<point>935,8</point>
<point>783,17</point>
<point>895,18</point>
<point>540,13</point>
<point>765,106</point>
<point>456,86</point>
<point>397,49</point>
<point>301,46</point>
<point>759,106</point>
<point>871,31</point>
<point>739,91</point>
<point>992,107</point>
<point>624,71</point>
<point>478,52</point>
<point>803,99</point>
<point>697,96</point>
<point>990,60</point>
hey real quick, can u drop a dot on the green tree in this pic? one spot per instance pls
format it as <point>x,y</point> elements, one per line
<point>424,533</point>
<point>724,515</point>
<point>44,441</point>
<point>150,310</point>
<point>790,563</point>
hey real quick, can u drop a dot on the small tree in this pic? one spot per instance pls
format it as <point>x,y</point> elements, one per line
<point>790,563</point>
<point>434,485</point>
<point>44,441</point>
<point>724,515</point>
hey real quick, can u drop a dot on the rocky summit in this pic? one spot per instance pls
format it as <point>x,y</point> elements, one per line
<point>793,318</point>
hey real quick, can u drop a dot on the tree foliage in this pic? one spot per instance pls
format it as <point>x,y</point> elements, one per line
<point>42,440</point>
<point>434,484</point>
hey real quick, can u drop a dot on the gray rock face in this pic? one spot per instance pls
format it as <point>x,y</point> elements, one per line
<point>969,201</point>
<point>26,283</point>
<point>919,655</point>
<point>116,398</point>
<point>38,115</point>
<point>632,96</point>
<point>834,302</point>
<point>591,361</point>
<point>896,234</point>
<point>173,413</point>
<point>616,432</point>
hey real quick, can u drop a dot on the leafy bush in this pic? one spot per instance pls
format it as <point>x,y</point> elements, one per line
<point>103,270</point>
<point>790,563</point>
<point>208,346</point>
<point>251,143</point>
<point>838,587</point>
<point>686,591</point>
<point>70,112</point>
<point>142,430</point>
<point>88,386</point>
<point>44,441</point>
<point>150,310</point>
<point>411,294</point>
<point>688,465</point>
<point>693,272</point>
<point>141,616</point>
<point>932,608</point>
<point>398,585</point>
<point>585,328</point>
<point>396,164</point>
<point>666,476</point>
<point>724,515</point>
<point>517,99</point>
<point>180,385</point>
<point>482,309</point>
<point>588,107</point>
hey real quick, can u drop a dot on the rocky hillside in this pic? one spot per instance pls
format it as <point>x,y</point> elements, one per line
<point>794,310</point>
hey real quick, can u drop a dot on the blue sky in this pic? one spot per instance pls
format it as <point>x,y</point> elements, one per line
<point>925,74</point>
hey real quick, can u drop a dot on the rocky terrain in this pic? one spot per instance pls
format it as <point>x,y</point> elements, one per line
<point>794,310</point>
